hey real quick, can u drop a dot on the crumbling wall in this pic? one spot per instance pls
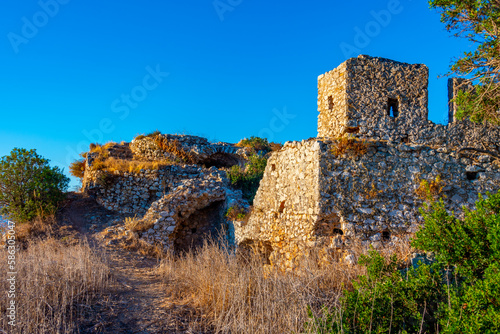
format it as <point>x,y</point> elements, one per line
<point>188,214</point>
<point>133,193</point>
<point>380,191</point>
<point>286,205</point>
<point>371,194</point>
<point>200,150</point>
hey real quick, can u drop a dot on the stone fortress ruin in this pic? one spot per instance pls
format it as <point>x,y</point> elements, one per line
<point>360,179</point>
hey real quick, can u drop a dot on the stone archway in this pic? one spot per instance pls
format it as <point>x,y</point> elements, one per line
<point>201,225</point>
<point>222,160</point>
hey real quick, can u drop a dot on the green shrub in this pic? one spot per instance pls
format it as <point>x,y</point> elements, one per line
<point>471,246</point>
<point>256,143</point>
<point>248,179</point>
<point>29,187</point>
<point>237,213</point>
<point>386,300</point>
<point>459,293</point>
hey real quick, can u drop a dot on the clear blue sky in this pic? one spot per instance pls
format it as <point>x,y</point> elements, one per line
<point>75,72</point>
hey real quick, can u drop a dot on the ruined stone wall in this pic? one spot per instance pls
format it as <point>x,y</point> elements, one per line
<point>199,149</point>
<point>331,200</point>
<point>133,193</point>
<point>376,192</point>
<point>286,205</point>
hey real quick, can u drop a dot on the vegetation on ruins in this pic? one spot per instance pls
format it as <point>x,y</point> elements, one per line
<point>349,145</point>
<point>238,213</point>
<point>259,145</point>
<point>479,22</point>
<point>458,293</point>
<point>77,168</point>
<point>29,187</point>
<point>174,148</point>
<point>247,179</point>
<point>430,190</point>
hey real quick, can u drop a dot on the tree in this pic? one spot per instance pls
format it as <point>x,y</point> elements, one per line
<point>479,22</point>
<point>29,187</point>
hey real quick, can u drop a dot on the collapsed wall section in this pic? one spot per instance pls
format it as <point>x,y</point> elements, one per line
<point>133,193</point>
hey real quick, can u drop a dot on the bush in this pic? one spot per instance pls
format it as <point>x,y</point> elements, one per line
<point>457,294</point>
<point>77,168</point>
<point>29,187</point>
<point>238,213</point>
<point>471,246</point>
<point>259,145</point>
<point>256,143</point>
<point>387,300</point>
<point>248,179</point>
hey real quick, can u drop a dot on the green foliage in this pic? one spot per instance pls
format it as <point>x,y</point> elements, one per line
<point>429,298</point>
<point>256,143</point>
<point>479,22</point>
<point>470,244</point>
<point>237,213</point>
<point>29,186</point>
<point>248,179</point>
<point>474,308</point>
<point>386,301</point>
<point>472,247</point>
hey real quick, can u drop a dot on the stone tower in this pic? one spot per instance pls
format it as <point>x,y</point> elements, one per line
<point>373,97</point>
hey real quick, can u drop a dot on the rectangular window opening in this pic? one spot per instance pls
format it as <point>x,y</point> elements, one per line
<point>330,102</point>
<point>393,108</point>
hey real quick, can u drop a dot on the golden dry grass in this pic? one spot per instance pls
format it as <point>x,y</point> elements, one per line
<point>130,166</point>
<point>349,145</point>
<point>173,147</point>
<point>236,293</point>
<point>55,284</point>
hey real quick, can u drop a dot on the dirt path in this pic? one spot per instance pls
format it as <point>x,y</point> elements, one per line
<point>136,302</point>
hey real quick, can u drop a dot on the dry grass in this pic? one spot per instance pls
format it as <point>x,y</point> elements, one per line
<point>237,294</point>
<point>430,191</point>
<point>130,166</point>
<point>173,147</point>
<point>349,145</point>
<point>55,285</point>
<point>77,168</point>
